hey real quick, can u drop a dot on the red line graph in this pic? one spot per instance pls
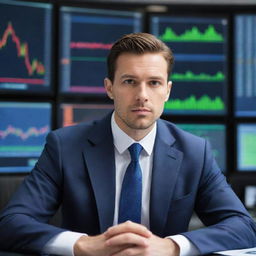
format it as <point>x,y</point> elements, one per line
<point>21,80</point>
<point>22,51</point>
<point>31,132</point>
<point>87,45</point>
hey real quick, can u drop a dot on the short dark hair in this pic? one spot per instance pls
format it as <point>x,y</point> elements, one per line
<point>138,43</point>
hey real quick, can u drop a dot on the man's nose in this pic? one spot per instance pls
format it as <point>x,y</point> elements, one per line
<point>142,92</point>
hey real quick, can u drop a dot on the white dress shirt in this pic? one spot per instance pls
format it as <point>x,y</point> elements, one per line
<point>63,243</point>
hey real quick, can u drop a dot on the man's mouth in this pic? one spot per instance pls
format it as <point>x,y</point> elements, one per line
<point>141,110</point>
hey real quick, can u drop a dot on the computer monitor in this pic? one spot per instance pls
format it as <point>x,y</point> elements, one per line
<point>72,114</point>
<point>25,46</point>
<point>250,197</point>
<point>23,128</point>
<point>199,76</point>
<point>86,35</point>
<point>246,147</point>
<point>245,65</point>
<point>215,134</point>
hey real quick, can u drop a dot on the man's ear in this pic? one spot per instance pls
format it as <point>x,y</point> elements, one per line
<point>108,87</point>
<point>169,88</point>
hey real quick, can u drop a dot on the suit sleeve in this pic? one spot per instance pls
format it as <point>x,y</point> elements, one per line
<point>228,224</point>
<point>23,222</point>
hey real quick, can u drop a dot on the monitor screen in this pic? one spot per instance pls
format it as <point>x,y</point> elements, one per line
<point>246,147</point>
<point>72,114</point>
<point>200,70</point>
<point>245,65</point>
<point>86,35</point>
<point>215,134</point>
<point>250,197</point>
<point>23,128</point>
<point>25,49</point>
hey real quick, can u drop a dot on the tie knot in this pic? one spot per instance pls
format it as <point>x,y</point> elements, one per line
<point>135,150</point>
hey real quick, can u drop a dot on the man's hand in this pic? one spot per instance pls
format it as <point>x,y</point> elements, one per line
<point>98,245</point>
<point>126,239</point>
<point>135,239</point>
<point>95,246</point>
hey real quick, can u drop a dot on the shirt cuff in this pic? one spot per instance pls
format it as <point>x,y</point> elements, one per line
<point>186,247</point>
<point>62,243</point>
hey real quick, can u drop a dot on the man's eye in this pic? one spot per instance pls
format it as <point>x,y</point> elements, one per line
<point>129,81</point>
<point>155,83</point>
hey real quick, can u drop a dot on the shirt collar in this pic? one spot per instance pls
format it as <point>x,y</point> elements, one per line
<point>122,141</point>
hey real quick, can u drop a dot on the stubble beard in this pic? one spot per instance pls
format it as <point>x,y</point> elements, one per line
<point>138,124</point>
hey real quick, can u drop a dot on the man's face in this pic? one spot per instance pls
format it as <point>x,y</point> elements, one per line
<point>139,91</point>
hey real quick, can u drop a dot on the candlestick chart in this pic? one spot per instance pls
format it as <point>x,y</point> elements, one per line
<point>25,50</point>
<point>86,36</point>
<point>199,76</point>
<point>23,128</point>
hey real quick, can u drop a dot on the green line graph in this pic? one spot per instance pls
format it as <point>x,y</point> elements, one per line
<point>189,76</point>
<point>210,35</point>
<point>191,103</point>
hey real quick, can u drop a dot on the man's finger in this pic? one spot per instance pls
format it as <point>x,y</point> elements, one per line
<point>130,251</point>
<point>128,227</point>
<point>127,239</point>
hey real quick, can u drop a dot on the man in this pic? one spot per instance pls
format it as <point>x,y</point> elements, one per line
<point>83,168</point>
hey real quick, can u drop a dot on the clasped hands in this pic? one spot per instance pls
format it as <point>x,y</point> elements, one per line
<point>126,239</point>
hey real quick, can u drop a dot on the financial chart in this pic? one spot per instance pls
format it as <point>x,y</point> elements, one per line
<point>86,37</point>
<point>72,114</point>
<point>245,65</point>
<point>25,50</point>
<point>246,147</point>
<point>200,70</point>
<point>23,128</point>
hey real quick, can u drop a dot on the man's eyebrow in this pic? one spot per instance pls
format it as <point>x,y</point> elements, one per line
<point>151,77</point>
<point>156,77</point>
<point>128,76</point>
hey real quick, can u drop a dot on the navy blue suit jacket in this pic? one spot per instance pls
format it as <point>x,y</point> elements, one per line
<point>77,170</point>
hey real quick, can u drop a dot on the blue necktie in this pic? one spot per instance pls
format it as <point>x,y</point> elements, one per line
<point>131,193</point>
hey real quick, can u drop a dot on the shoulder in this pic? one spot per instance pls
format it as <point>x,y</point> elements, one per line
<point>73,131</point>
<point>196,150</point>
<point>181,140</point>
<point>81,132</point>
<point>179,135</point>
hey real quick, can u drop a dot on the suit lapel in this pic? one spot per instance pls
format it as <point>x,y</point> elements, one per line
<point>166,165</point>
<point>100,161</point>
